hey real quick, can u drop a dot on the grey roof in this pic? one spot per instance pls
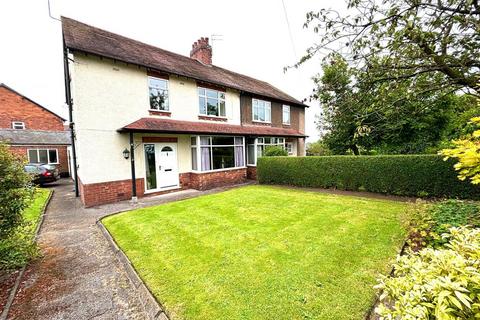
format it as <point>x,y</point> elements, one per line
<point>30,137</point>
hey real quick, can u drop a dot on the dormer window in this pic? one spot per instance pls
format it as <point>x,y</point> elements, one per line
<point>18,125</point>
<point>158,89</point>
<point>211,102</point>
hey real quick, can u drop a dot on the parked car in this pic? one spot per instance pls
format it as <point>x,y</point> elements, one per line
<point>42,173</point>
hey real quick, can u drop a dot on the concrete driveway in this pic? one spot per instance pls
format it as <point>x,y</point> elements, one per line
<point>78,276</point>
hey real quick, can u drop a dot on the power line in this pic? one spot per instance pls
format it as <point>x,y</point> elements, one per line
<point>289,29</point>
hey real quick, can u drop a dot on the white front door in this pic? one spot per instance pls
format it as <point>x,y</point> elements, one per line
<point>160,166</point>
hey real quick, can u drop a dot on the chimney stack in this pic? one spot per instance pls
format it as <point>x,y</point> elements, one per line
<point>202,51</point>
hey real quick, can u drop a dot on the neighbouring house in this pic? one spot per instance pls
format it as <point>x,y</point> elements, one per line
<point>181,121</point>
<point>32,131</point>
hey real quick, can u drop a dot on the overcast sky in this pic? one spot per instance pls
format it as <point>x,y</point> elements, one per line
<point>255,35</point>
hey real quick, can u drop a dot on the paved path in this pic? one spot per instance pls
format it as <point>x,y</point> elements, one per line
<point>78,276</point>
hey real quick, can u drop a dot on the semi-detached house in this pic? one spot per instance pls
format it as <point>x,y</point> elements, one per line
<point>148,121</point>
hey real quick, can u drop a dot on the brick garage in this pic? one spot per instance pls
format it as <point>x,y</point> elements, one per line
<point>21,152</point>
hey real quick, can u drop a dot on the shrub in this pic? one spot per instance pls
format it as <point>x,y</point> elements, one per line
<point>435,284</point>
<point>275,151</point>
<point>406,175</point>
<point>15,191</point>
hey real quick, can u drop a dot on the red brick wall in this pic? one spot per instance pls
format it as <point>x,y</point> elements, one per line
<point>14,107</point>
<point>252,173</point>
<point>113,191</point>
<point>209,180</point>
<point>21,151</point>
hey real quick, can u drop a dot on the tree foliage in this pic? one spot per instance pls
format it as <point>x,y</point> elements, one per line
<point>424,45</point>
<point>15,191</point>
<point>467,151</point>
<point>356,118</point>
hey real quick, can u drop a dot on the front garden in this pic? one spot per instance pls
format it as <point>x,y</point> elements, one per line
<point>263,252</point>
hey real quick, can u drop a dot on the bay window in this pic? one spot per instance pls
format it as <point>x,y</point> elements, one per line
<point>261,110</point>
<point>158,92</point>
<point>256,147</point>
<point>211,102</point>
<point>217,152</point>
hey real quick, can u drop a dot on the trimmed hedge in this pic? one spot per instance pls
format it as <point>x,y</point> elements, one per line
<point>405,175</point>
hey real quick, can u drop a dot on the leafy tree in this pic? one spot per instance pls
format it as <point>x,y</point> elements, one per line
<point>275,151</point>
<point>354,117</point>
<point>467,151</point>
<point>426,45</point>
<point>15,191</point>
<point>318,148</point>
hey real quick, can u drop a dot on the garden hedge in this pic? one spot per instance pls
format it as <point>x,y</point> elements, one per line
<point>405,175</point>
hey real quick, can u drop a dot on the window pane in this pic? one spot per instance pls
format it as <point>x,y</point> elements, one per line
<point>221,95</point>
<point>267,141</point>
<point>201,91</point>
<point>205,158</point>
<point>151,173</point>
<point>223,157</point>
<point>42,156</point>
<point>260,140</point>
<point>228,141</point>
<point>202,105</point>
<point>259,151</point>
<point>32,156</point>
<point>193,141</point>
<point>222,108</point>
<point>238,141</point>
<point>212,108</point>
<point>251,154</point>
<point>194,159</point>
<point>52,154</point>
<point>280,140</point>
<point>158,94</point>
<point>268,117</point>
<point>212,94</point>
<point>239,158</point>
<point>205,141</point>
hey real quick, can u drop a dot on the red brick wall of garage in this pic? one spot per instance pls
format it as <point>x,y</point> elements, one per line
<point>21,152</point>
<point>14,107</point>
<point>112,191</point>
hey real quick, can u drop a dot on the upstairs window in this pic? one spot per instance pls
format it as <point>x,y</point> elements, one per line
<point>18,125</point>
<point>262,110</point>
<point>158,89</point>
<point>211,102</point>
<point>286,114</point>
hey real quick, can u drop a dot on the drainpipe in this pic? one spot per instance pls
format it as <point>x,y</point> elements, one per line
<point>132,167</point>
<point>69,101</point>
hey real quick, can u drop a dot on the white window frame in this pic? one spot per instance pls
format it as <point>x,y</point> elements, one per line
<point>286,108</point>
<point>267,105</point>
<point>168,94</point>
<point>219,99</point>
<point>260,141</point>
<point>289,148</point>
<point>38,155</point>
<point>198,147</point>
<point>19,124</point>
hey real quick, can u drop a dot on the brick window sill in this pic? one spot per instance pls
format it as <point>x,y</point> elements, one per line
<point>159,113</point>
<point>259,123</point>
<point>222,119</point>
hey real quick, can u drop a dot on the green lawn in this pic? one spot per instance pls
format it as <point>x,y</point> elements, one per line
<point>262,252</point>
<point>35,209</point>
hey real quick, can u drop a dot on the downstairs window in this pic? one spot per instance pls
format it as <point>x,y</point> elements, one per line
<point>217,152</point>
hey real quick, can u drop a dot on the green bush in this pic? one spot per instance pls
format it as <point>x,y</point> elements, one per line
<point>426,222</point>
<point>435,284</point>
<point>15,191</point>
<point>275,151</point>
<point>405,175</point>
